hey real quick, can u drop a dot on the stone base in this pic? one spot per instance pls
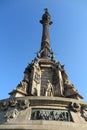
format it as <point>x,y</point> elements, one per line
<point>45,125</point>
<point>43,113</point>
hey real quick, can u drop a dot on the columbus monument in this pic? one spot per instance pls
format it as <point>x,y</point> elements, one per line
<point>45,99</point>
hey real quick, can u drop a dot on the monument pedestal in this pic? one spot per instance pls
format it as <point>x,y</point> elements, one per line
<point>43,113</point>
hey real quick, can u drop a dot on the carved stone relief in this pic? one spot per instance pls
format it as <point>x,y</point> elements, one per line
<point>22,86</point>
<point>10,114</point>
<point>75,107</point>
<point>10,108</point>
<point>12,102</point>
<point>23,104</point>
<point>84,112</point>
<point>69,89</point>
<point>4,105</point>
<point>37,78</point>
<point>51,114</point>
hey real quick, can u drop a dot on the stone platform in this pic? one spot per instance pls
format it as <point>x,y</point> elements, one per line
<point>43,113</point>
<point>45,125</point>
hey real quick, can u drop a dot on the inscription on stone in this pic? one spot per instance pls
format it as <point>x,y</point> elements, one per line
<point>51,114</point>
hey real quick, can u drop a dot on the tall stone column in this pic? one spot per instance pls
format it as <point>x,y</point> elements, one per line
<point>45,42</point>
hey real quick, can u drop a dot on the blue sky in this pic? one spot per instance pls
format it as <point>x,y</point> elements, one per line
<point>20,38</point>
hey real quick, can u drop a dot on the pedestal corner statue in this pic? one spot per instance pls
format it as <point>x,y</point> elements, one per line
<point>45,99</point>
